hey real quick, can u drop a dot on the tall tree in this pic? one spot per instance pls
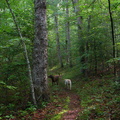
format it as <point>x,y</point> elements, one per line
<point>58,41</point>
<point>25,50</point>
<point>81,42</point>
<point>40,52</point>
<point>68,42</point>
<point>112,33</point>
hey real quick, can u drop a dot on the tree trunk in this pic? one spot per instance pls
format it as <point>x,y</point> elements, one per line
<point>40,53</point>
<point>58,42</point>
<point>26,53</point>
<point>79,18</point>
<point>68,42</point>
<point>87,47</point>
<point>82,44</point>
<point>112,32</point>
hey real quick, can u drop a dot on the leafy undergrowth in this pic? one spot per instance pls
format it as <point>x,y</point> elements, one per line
<point>100,99</point>
<point>54,110</point>
<point>64,104</point>
<point>92,99</point>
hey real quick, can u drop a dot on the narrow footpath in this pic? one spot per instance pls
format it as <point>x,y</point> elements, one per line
<point>74,107</point>
<point>59,109</point>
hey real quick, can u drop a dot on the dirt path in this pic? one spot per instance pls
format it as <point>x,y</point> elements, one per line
<point>54,108</point>
<point>74,107</point>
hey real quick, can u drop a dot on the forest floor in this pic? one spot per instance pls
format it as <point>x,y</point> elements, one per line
<point>65,106</point>
<point>88,100</point>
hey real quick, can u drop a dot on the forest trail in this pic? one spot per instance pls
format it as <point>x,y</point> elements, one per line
<point>57,109</point>
<point>74,107</point>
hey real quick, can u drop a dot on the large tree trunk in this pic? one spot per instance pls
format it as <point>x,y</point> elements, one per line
<point>68,42</point>
<point>40,52</point>
<point>58,42</point>
<point>112,33</point>
<point>25,50</point>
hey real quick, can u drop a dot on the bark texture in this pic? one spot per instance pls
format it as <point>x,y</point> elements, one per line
<point>40,52</point>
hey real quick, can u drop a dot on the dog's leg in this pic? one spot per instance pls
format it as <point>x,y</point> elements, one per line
<point>65,84</point>
<point>70,84</point>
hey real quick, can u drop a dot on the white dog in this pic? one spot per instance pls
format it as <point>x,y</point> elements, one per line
<point>68,83</point>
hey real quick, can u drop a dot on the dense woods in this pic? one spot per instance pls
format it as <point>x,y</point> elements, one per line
<point>75,39</point>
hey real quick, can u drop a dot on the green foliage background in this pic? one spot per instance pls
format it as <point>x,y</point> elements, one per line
<point>14,80</point>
